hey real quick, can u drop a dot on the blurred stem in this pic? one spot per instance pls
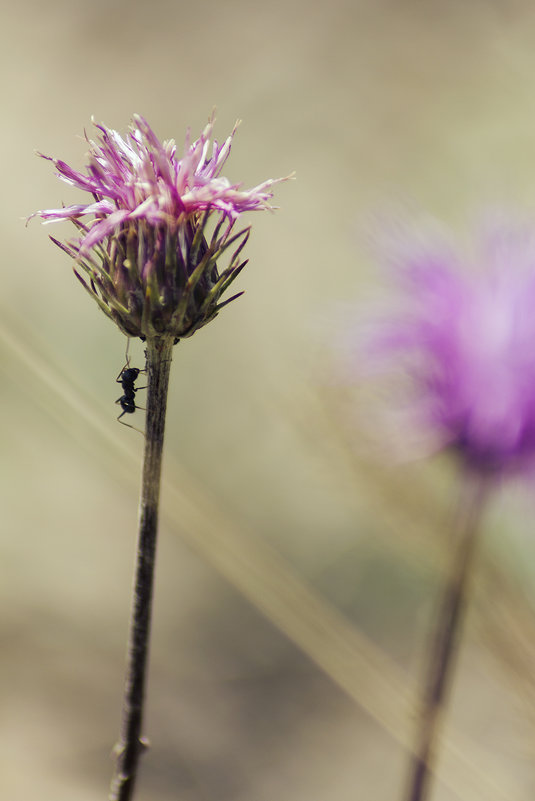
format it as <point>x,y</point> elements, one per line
<point>445,642</point>
<point>131,745</point>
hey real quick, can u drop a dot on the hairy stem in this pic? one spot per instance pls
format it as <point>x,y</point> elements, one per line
<point>131,745</point>
<point>444,645</point>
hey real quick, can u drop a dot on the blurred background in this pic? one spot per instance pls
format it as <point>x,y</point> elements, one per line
<point>298,570</point>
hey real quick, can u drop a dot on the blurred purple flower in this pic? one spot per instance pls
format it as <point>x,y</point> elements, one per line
<point>150,261</point>
<point>466,340</point>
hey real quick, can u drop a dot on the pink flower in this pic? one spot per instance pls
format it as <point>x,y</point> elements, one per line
<point>466,340</point>
<point>145,242</point>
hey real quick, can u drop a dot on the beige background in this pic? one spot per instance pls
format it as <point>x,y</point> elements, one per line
<point>296,576</point>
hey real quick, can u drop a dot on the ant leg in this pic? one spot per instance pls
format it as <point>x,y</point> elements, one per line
<point>128,424</point>
<point>142,408</point>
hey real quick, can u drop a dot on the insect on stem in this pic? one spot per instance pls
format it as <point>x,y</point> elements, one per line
<point>127,378</point>
<point>131,741</point>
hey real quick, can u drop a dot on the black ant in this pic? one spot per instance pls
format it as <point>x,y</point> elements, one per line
<point>127,378</point>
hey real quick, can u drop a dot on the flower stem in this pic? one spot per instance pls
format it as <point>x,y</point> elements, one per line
<point>444,646</point>
<point>131,745</point>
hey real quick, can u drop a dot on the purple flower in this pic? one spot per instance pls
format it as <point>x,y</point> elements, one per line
<point>466,341</point>
<point>150,261</point>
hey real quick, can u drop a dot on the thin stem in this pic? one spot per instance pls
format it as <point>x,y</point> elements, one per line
<point>444,646</point>
<point>131,745</point>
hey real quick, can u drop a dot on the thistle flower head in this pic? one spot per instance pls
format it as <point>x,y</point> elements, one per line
<point>147,246</point>
<point>466,340</point>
